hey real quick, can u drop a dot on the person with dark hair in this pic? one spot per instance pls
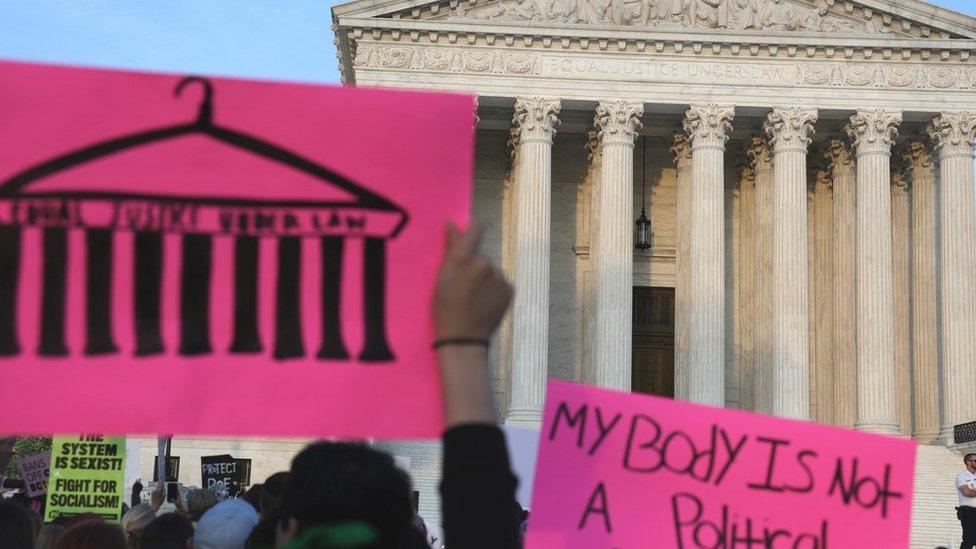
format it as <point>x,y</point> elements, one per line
<point>168,531</point>
<point>274,487</point>
<point>16,529</point>
<point>354,494</point>
<point>966,512</point>
<point>339,486</point>
<point>48,537</point>
<point>253,496</point>
<point>266,532</point>
<point>92,535</point>
<point>136,498</point>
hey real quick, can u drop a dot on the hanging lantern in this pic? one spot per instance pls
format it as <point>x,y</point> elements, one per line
<point>642,231</point>
<point>642,227</point>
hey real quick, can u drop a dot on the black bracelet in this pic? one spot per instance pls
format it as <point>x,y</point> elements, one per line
<point>461,341</point>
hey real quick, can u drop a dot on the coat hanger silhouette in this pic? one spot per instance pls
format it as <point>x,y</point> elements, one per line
<point>204,124</point>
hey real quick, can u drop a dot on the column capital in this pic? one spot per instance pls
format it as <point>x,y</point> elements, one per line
<point>477,117</point>
<point>838,155</point>
<point>618,121</point>
<point>899,180</point>
<point>899,173</point>
<point>821,175</point>
<point>760,153</point>
<point>790,128</point>
<point>954,134</point>
<point>709,124</point>
<point>874,131</point>
<point>593,146</point>
<point>535,119</point>
<point>681,149</point>
<point>747,174</point>
<point>917,156</point>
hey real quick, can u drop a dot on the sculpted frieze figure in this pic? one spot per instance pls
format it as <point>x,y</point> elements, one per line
<point>666,13</point>
<point>517,10</point>
<point>777,15</point>
<point>708,13</point>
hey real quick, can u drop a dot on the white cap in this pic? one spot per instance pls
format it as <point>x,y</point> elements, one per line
<point>225,525</point>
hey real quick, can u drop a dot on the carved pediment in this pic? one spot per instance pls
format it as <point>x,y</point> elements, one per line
<point>897,18</point>
<point>744,15</point>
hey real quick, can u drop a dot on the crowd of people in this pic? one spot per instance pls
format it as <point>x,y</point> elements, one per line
<point>342,494</point>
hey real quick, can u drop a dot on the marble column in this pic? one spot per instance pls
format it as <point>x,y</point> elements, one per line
<point>762,163</point>
<point>841,162</point>
<point>873,133</point>
<point>790,132</point>
<point>901,294</point>
<point>746,274</point>
<point>823,292</point>
<point>682,354</point>
<point>708,128</point>
<point>618,123</point>
<point>925,329</point>
<point>535,121</point>
<point>594,157</point>
<point>954,135</point>
<point>812,298</point>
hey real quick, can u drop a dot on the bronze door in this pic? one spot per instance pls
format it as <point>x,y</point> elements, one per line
<point>653,341</point>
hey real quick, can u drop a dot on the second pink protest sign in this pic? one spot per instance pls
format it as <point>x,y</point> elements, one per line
<point>625,471</point>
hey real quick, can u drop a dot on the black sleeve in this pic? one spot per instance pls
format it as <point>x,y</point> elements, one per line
<point>478,490</point>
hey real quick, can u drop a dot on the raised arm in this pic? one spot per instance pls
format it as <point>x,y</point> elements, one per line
<point>477,487</point>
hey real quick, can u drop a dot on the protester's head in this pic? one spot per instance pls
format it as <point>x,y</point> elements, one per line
<point>169,531</point>
<point>274,489</point>
<point>92,535</point>
<point>333,483</point>
<point>253,496</point>
<point>48,537</point>
<point>199,501</point>
<point>225,526</point>
<point>970,461</point>
<point>36,521</point>
<point>16,529</point>
<point>71,522</point>
<point>135,521</point>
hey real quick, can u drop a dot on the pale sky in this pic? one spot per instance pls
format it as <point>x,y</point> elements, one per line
<point>276,39</point>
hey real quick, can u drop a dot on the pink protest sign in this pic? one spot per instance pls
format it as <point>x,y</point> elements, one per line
<point>634,471</point>
<point>258,256</point>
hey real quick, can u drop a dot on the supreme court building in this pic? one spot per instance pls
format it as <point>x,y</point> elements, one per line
<point>806,171</point>
<point>806,167</point>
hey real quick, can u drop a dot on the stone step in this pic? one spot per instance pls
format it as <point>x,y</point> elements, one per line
<point>934,521</point>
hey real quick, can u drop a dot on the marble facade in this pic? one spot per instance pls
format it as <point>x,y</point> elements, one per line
<point>809,176</point>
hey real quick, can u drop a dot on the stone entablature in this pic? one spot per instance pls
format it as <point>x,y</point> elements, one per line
<point>822,73</point>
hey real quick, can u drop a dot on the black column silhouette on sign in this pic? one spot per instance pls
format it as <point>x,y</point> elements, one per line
<point>246,338</point>
<point>196,292</point>
<point>374,303</point>
<point>195,285</point>
<point>288,322</point>
<point>98,303</point>
<point>54,293</point>
<point>332,345</point>
<point>9,275</point>
<point>148,288</point>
